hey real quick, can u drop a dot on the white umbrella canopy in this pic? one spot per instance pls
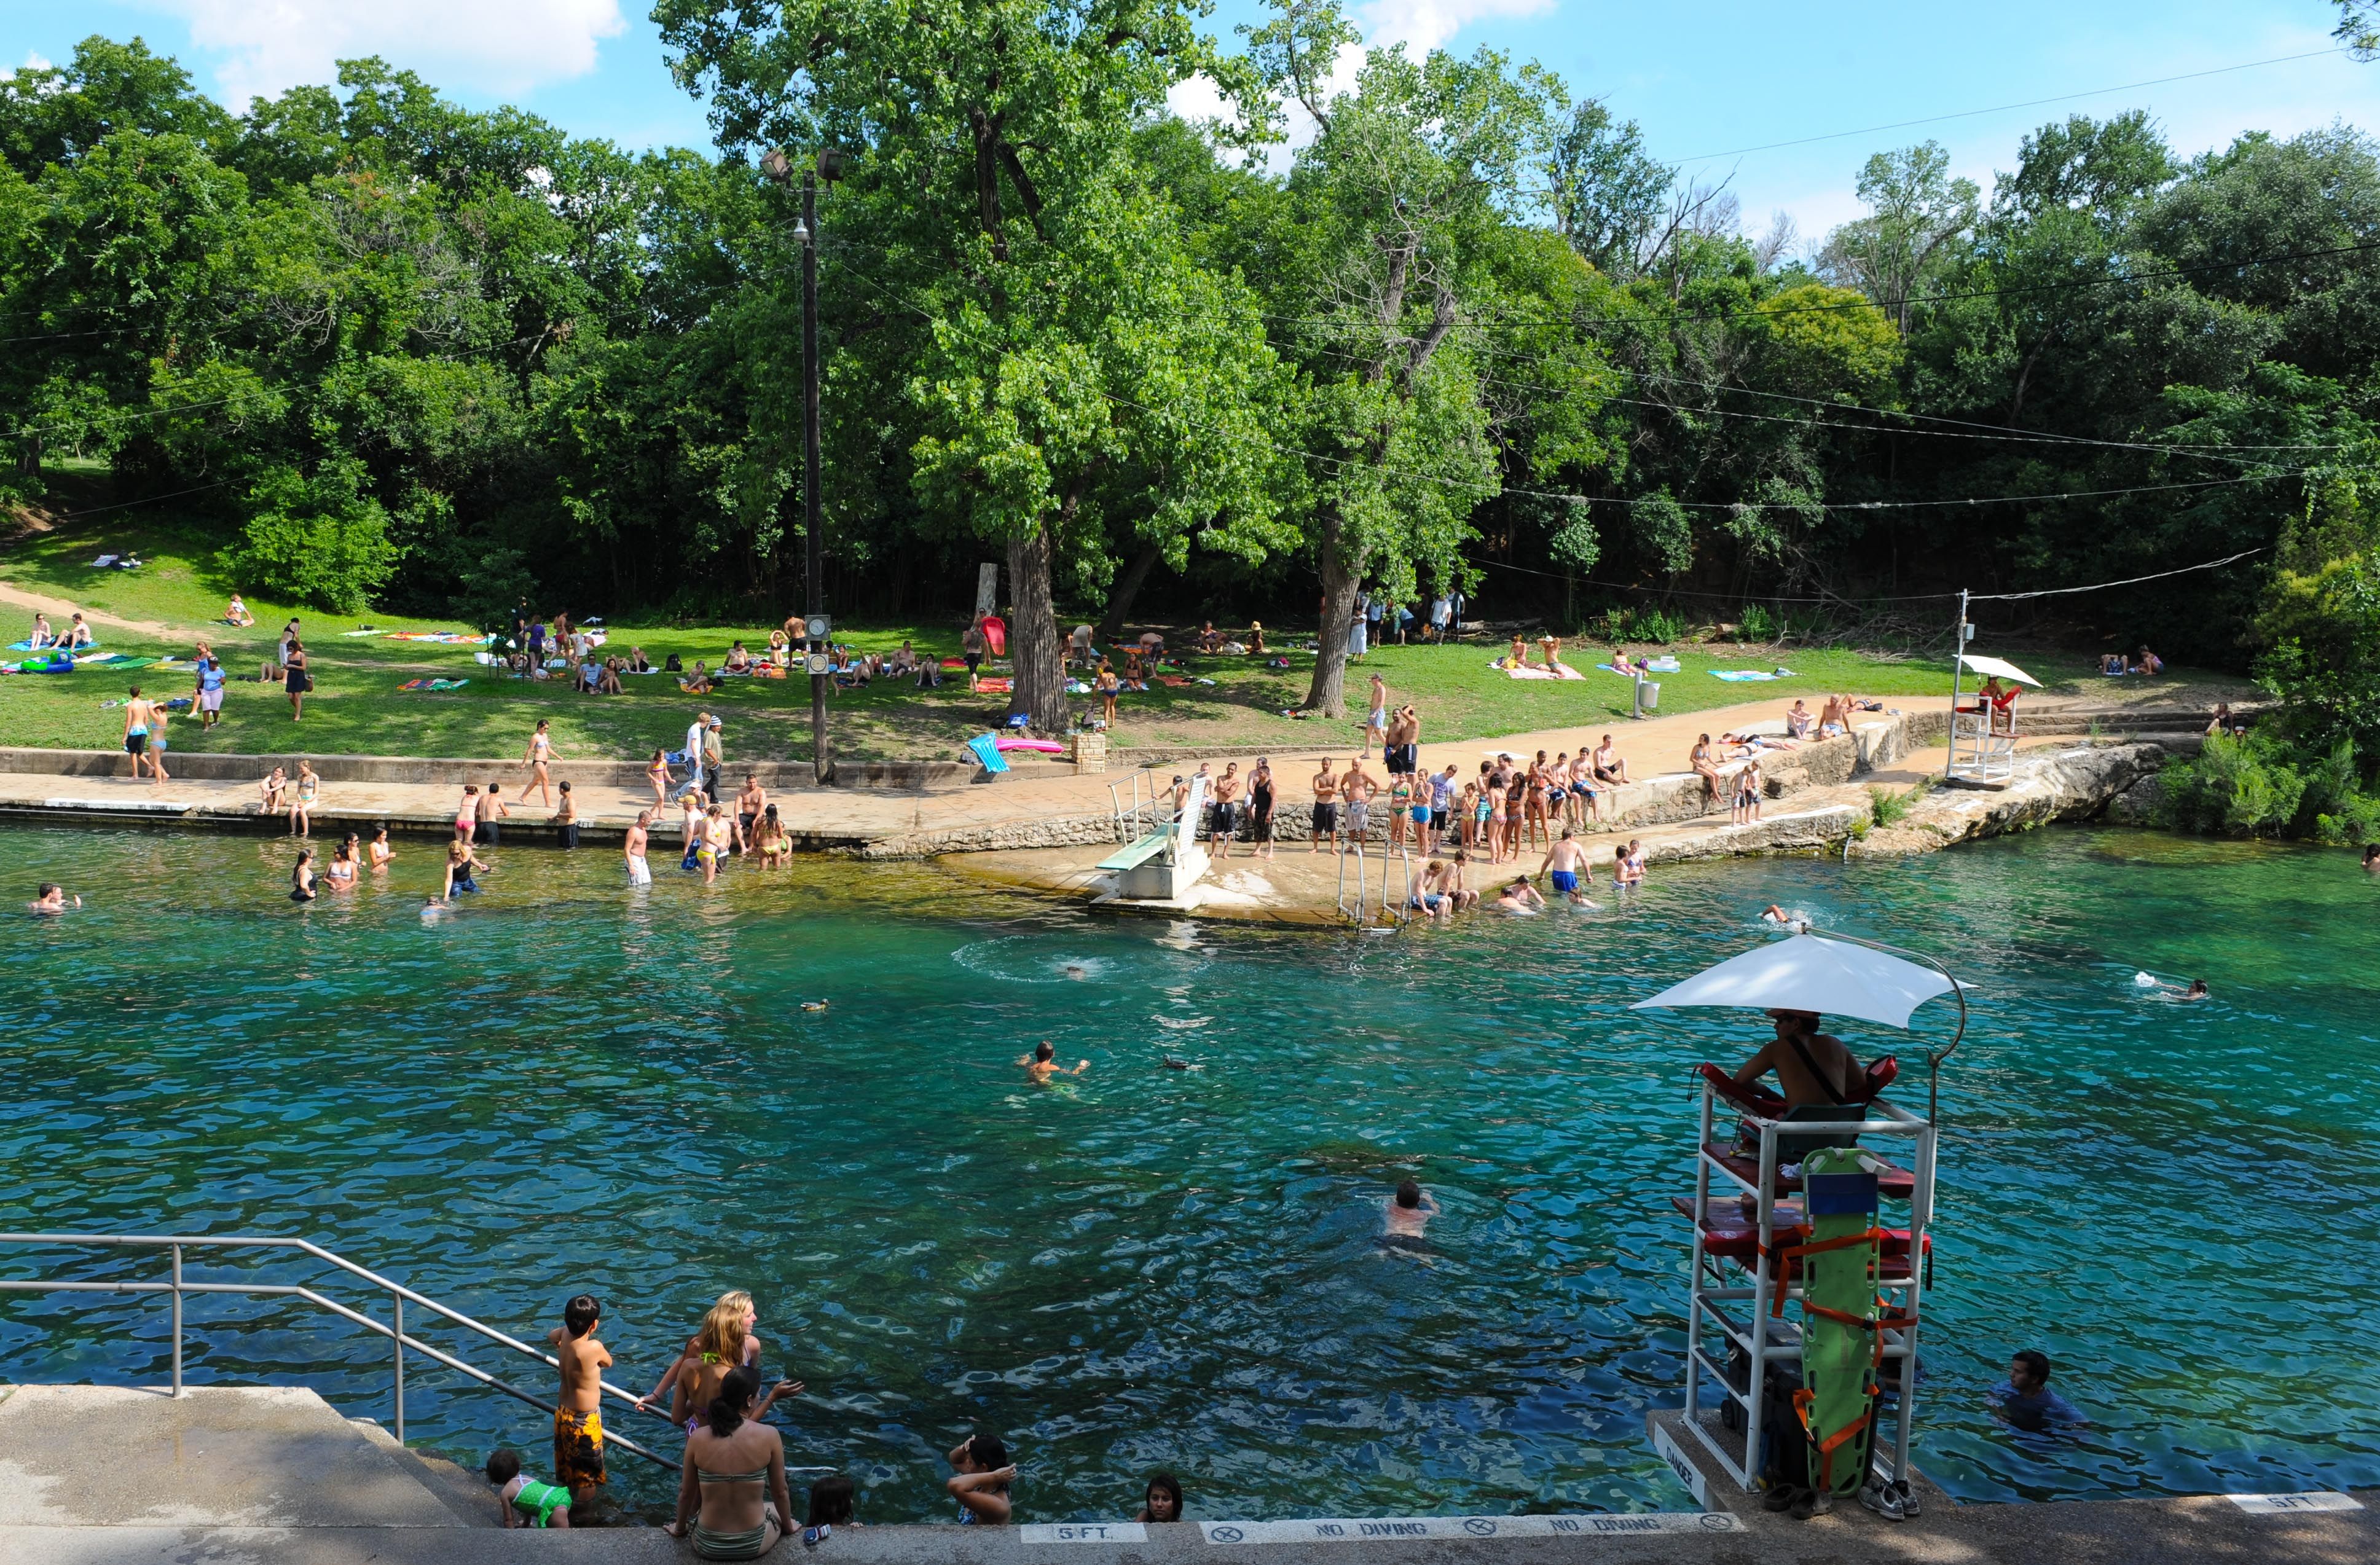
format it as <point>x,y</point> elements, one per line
<point>1994,668</point>
<point>1811,973</point>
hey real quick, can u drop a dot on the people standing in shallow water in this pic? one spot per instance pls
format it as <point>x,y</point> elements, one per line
<point>1042,1064</point>
<point>301,877</point>
<point>979,1480</point>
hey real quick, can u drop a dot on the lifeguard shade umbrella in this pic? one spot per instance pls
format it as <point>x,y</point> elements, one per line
<point>1995,668</point>
<point>1832,975</point>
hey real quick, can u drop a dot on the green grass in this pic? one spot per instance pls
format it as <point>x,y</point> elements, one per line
<point>357,709</point>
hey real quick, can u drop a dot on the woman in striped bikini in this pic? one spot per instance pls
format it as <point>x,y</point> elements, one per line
<point>732,1499</point>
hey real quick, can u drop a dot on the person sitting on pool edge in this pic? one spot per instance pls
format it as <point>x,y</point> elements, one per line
<point>2026,1402</point>
<point>1812,1066</point>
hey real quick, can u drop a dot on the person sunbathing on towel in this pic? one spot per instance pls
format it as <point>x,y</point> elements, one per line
<point>1811,1066</point>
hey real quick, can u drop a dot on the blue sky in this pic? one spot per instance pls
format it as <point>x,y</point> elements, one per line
<point>1702,78</point>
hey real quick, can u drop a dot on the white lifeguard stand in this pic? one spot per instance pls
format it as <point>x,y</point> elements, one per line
<point>1979,752</point>
<point>1739,1277</point>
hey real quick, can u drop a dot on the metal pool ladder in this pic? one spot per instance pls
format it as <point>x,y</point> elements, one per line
<point>176,1285</point>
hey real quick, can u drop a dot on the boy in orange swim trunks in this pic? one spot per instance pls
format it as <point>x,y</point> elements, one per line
<point>579,1418</point>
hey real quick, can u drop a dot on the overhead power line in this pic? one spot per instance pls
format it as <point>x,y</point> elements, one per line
<point>2006,108</point>
<point>1854,601</point>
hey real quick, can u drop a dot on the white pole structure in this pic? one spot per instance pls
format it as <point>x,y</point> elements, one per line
<point>1958,665</point>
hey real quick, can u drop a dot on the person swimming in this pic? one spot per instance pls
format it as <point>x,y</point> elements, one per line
<point>1042,1064</point>
<point>1404,1217</point>
<point>51,898</point>
<point>1795,922</point>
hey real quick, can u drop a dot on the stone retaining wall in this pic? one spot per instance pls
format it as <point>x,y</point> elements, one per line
<point>450,772</point>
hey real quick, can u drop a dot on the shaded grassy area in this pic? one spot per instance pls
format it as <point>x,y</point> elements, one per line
<point>358,708</point>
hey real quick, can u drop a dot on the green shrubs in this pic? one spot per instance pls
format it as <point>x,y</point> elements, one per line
<point>321,541</point>
<point>1888,808</point>
<point>2257,787</point>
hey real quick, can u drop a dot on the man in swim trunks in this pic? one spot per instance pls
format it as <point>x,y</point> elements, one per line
<point>1403,747</point>
<point>750,804</point>
<point>1042,1064</point>
<point>640,873</point>
<point>1355,790</point>
<point>1812,1066</point>
<point>138,713</point>
<point>1377,725</point>
<point>1326,806</point>
<point>579,1418</point>
<point>1609,767</point>
<point>490,810</point>
<point>1563,862</point>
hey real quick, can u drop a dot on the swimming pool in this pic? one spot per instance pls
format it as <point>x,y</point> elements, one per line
<point>562,1087</point>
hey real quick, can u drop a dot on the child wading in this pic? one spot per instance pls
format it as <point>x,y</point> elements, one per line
<point>578,1417</point>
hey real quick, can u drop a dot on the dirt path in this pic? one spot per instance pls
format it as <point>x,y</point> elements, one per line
<point>60,611</point>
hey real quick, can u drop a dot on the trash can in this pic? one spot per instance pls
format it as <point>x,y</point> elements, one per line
<point>1648,696</point>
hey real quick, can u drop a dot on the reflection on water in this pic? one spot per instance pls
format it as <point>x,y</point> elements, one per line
<point>563,1085</point>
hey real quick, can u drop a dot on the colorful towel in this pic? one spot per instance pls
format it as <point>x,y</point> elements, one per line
<point>26,646</point>
<point>1749,675</point>
<point>351,634</point>
<point>434,685</point>
<point>1538,671</point>
<point>990,687</point>
<point>1174,680</point>
<point>444,637</point>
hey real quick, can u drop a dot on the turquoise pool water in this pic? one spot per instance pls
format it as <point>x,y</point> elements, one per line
<point>564,1086</point>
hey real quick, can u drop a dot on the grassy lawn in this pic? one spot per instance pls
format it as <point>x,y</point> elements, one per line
<point>357,708</point>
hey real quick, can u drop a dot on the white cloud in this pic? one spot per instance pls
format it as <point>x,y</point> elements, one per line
<point>1424,24</point>
<point>495,45</point>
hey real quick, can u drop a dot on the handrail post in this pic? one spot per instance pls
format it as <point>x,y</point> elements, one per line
<point>177,1322</point>
<point>398,1300</point>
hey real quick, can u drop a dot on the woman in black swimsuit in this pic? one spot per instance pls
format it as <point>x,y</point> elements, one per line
<point>297,681</point>
<point>301,877</point>
<point>1260,806</point>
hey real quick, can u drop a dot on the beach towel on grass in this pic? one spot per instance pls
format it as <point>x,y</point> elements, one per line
<point>1173,680</point>
<point>1538,671</point>
<point>26,646</point>
<point>1748,676</point>
<point>996,686</point>
<point>434,685</point>
<point>351,634</point>
<point>986,748</point>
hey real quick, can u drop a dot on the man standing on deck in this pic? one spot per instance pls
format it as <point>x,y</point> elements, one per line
<point>1812,1066</point>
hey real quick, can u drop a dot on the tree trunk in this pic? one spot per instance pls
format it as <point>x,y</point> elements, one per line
<point>1340,576</point>
<point>1033,641</point>
<point>1127,588</point>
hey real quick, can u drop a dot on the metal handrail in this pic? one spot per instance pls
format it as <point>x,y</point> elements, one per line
<point>398,1295</point>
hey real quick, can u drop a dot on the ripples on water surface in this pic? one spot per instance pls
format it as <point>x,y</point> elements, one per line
<point>562,1087</point>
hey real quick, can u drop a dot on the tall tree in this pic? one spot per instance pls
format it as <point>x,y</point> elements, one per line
<point>1043,326</point>
<point>1916,214</point>
<point>1400,202</point>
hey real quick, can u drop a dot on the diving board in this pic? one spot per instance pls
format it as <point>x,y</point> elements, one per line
<point>1164,865</point>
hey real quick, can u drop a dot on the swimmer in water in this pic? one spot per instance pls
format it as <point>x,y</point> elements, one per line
<point>1405,1216</point>
<point>1042,1064</point>
<point>52,898</point>
<point>1075,970</point>
<point>1520,897</point>
<point>1776,915</point>
<point>2372,858</point>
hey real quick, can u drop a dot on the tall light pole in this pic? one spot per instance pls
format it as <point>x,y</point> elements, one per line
<point>817,628</point>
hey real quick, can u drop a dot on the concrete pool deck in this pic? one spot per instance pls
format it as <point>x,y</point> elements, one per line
<point>118,1475</point>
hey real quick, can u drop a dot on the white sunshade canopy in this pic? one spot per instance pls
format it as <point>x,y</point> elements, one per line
<point>1994,668</point>
<point>1811,973</point>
